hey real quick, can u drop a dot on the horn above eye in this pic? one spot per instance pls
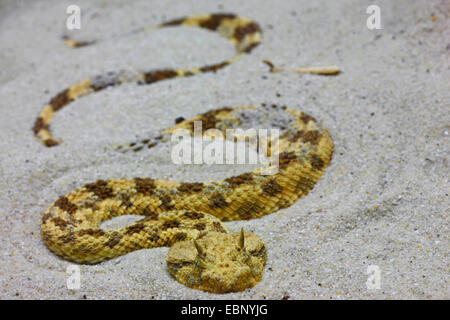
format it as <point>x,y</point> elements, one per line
<point>200,250</point>
<point>241,242</point>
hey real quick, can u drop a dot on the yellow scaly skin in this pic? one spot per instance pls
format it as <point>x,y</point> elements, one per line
<point>188,217</point>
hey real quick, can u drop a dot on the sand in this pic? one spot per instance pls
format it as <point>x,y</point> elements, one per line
<point>383,201</point>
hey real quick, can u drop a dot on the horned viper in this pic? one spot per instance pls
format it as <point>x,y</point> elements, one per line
<point>188,217</point>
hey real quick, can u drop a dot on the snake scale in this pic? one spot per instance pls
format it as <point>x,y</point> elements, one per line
<point>187,216</point>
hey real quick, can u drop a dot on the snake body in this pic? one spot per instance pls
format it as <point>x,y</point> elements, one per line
<point>242,32</point>
<point>188,216</point>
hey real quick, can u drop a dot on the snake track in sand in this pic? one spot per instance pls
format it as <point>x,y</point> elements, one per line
<point>188,217</point>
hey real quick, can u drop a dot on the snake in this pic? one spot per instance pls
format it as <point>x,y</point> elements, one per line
<point>189,217</point>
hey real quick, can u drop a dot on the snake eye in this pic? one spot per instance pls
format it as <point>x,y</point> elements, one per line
<point>200,263</point>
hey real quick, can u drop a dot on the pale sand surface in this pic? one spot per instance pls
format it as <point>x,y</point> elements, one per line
<point>383,201</point>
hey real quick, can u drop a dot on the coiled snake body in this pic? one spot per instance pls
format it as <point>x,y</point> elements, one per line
<point>188,217</point>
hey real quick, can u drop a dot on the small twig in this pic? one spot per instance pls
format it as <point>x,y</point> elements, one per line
<point>328,70</point>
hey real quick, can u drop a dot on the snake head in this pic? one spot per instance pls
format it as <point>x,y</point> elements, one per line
<point>218,262</point>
